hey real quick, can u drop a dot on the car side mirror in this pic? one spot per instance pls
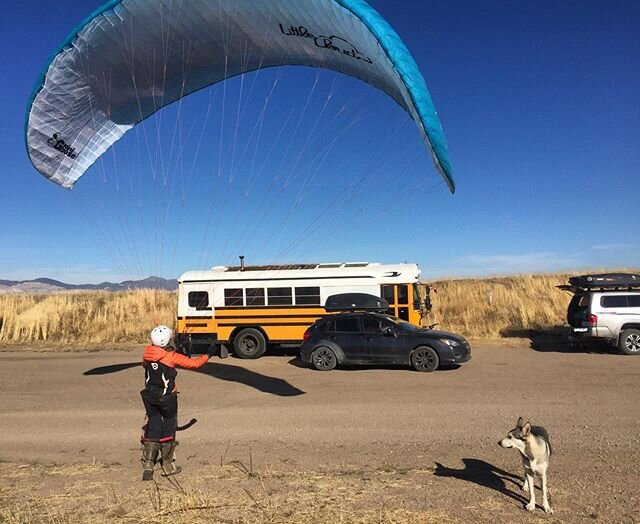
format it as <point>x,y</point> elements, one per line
<point>389,332</point>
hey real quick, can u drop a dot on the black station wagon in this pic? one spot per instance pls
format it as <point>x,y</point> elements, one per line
<point>374,338</point>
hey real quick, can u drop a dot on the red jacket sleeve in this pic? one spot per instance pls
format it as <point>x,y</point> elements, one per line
<point>176,360</point>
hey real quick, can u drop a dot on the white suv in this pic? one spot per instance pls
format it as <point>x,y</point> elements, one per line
<point>606,307</point>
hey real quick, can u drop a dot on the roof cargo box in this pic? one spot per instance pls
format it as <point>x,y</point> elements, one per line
<point>356,301</point>
<point>606,281</point>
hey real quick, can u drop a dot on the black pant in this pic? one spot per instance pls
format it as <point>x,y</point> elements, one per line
<point>162,416</point>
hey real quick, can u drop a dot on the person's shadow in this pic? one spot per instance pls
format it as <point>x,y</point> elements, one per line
<point>485,474</point>
<point>229,372</point>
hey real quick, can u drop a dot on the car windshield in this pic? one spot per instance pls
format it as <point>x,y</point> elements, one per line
<point>403,324</point>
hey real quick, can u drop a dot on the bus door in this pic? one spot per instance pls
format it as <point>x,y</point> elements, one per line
<point>398,297</point>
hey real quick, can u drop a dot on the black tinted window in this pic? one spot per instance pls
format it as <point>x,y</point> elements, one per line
<point>233,297</point>
<point>348,325</point>
<point>198,299</point>
<point>255,296</point>
<point>614,301</point>
<point>634,300</point>
<point>322,326</point>
<point>279,296</point>
<point>308,296</point>
<point>371,324</point>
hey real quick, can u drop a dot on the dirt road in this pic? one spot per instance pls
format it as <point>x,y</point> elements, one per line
<point>393,440</point>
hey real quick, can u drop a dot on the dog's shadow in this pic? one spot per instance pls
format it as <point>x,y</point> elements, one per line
<point>485,474</point>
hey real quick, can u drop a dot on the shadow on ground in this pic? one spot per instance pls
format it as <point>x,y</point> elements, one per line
<point>228,372</point>
<point>484,474</point>
<point>112,368</point>
<point>265,383</point>
<point>299,363</point>
<point>556,340</point>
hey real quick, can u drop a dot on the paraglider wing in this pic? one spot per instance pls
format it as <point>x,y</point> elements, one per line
<point>130,58</point>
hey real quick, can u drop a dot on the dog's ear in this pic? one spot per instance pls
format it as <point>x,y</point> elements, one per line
<point>526,429</point>
<point>520,422</point>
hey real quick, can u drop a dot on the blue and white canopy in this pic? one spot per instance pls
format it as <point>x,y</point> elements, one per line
<point>130,58</point>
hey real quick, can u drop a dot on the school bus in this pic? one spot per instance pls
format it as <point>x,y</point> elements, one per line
<point>249,308</point>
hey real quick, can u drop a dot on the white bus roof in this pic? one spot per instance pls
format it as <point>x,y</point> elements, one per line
<point>410,272</point>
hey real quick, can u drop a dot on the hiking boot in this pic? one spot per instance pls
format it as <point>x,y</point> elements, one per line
<point>168,458</point>
<point>150,451</point>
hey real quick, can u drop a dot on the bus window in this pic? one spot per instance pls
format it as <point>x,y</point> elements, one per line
<point>387,293</point>
<point>199,299</point>
<point>255,296</point>
<point>403,294</point>
<point>233,297</point>
<point>307,296</point>
<point>403,313</point>
<point>279,296</point>
<point>417,302</point>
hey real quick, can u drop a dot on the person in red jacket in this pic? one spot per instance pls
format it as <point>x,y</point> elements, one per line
<point>160,398</point>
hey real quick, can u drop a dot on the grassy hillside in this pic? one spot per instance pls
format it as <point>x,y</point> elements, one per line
<point>477,308</point>
<point>79,318</point>
<point>497,307</point>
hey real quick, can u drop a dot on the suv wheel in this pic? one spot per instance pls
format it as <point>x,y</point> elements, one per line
<point>323,359</point>
<point>425,358</point>
<point>629,342</point>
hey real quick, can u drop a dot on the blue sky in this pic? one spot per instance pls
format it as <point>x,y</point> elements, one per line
<point>539,105</point>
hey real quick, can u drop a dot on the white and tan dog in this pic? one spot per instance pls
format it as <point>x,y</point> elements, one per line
<point>533,444</point>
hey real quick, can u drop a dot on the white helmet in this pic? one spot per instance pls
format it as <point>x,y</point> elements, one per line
<point>161,336</point>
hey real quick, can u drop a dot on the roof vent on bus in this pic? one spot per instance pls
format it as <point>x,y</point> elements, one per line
<point>356,264</point>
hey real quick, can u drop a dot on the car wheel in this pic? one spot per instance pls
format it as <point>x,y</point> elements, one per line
<point>249,343</point>
<point>629,342</point>
<point>323,359</point>
<point>425,358</point>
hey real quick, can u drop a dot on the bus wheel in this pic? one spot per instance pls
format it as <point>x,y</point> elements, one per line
<point>249,343</point>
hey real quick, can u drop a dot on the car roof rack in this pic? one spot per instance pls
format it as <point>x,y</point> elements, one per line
<point>356,302</point>
<point>603,281</point>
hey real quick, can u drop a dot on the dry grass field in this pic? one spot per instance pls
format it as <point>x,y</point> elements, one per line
<point>81,319</point>
<point>501,306</point>
<point>231,493</point>
<point>478,308</point>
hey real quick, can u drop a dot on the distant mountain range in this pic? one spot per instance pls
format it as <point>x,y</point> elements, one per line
<point>48,285</point>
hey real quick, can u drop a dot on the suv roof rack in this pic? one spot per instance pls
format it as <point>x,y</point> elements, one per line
<point>356,302</point>
<point>603,281</point>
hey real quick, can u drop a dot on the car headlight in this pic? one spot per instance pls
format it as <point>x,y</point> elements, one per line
<point>450,342</point>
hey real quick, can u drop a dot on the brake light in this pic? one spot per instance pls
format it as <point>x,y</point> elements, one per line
<point>307,335</point>
<point>592,320</point>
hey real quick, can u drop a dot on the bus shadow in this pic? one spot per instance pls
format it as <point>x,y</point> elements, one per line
<point>228,372</point>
